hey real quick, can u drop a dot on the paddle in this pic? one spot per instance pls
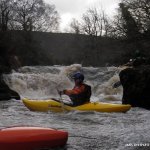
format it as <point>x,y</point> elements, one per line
<point>60,99</point>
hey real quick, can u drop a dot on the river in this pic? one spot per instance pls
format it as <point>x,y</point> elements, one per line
<point>87,130</point>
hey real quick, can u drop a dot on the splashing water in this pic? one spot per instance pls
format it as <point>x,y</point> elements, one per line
<point>42,82</point>
<point>87,130</point>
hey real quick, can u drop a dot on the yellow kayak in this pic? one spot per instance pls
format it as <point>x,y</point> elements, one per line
<point>56,106</point>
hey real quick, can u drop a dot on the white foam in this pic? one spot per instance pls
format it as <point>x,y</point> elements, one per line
<point>43,81</point>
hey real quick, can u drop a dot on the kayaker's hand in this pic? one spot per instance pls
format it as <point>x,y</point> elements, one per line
<point>60,92</point>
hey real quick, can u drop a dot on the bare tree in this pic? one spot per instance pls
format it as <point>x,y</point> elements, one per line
<point>95,22</point>
<point>35,15</point>
<point>75,26</point>
<point>5,14</point>
<point>50,19</point>
<point>106,23</point>
<point>91,22</point>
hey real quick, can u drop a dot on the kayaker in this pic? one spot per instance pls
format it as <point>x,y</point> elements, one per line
<point>81,92</point>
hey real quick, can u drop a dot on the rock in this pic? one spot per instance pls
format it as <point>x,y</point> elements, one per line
<point>6,93</point>
<point>136,86</point>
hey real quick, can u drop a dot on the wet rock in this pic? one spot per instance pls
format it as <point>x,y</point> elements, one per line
<point>6,93</point>
<point>136,86</point>
<point>5,67</point>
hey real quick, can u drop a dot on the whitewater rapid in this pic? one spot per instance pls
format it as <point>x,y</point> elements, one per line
<point>87,130</point>
<point>43,82</point>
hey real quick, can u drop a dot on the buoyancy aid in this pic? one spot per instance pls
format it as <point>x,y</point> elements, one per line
<point>79,94</point>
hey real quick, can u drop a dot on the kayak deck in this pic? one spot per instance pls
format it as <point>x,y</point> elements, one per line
<point>31,138</point>
<point>52,105</point>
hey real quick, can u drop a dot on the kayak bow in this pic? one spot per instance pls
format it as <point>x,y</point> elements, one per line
<point>31,138</point>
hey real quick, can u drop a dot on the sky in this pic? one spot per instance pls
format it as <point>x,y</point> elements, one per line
<point>69,9</point>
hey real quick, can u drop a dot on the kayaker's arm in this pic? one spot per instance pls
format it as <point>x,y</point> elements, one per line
<point>74,91</point>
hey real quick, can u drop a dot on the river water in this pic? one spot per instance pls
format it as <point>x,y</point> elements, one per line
<point>87,130</point>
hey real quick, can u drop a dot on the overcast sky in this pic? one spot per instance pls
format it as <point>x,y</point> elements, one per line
<point>69,9</point>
